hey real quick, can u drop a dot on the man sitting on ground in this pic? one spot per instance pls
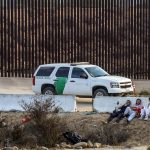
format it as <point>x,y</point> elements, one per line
<point>119,112</point>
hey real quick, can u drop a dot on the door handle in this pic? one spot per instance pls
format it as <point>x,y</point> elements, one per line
<point>72,81</point>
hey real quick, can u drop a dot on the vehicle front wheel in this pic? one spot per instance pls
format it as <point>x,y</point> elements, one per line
<point>100,92</point>
<point>48,91</point>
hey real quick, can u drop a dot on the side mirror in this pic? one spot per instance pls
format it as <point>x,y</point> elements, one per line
<point>83,76</point>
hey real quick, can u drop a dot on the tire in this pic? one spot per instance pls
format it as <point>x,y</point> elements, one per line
<point>100,92</point>
<point>49,91</point>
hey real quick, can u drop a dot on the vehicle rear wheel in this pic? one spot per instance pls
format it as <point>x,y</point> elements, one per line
<point>100,92</point>
<point>49,91</point>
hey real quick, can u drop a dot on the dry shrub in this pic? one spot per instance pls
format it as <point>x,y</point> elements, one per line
<point>148,148</point>
<point>46,122</point>
<point>145,92</point>
<point>108,134</point>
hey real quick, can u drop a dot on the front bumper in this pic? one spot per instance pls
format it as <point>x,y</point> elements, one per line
<point>121,90</point>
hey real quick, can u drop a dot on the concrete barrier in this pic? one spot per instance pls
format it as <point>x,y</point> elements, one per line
<point>13,101</point>
<point>108,104</point>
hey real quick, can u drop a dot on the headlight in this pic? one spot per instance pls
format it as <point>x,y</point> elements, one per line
<point>114,85</point>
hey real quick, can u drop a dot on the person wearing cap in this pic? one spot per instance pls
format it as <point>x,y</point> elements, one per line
<point>119,112</point>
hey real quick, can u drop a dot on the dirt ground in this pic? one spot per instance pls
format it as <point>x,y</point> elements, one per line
<point>139,131</point>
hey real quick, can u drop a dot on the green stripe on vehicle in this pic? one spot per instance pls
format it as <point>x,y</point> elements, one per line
<point>60,85</point>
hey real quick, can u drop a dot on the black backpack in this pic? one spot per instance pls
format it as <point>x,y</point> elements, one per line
<point>73,137</point>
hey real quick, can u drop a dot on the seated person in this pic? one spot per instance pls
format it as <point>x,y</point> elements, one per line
<point>145,112</point>
<point>119,112</point>
<point>134,111</point>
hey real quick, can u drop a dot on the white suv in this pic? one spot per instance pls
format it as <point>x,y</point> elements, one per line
<point>81,79</point>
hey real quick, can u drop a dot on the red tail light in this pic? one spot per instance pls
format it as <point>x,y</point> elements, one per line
<point>33,80</point>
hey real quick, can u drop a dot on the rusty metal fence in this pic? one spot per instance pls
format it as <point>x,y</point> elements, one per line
<point>114,34</point>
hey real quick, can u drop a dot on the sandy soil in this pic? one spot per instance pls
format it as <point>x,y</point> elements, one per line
<point>138,130</point>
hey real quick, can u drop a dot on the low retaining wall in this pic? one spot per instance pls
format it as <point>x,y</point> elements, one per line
<point>108,104</point>
<point>13,101</point>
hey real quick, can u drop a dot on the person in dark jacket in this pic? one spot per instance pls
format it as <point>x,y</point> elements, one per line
<point>119,112</point>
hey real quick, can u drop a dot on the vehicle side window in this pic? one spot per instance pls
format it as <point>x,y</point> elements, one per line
<point>45,71</point>
<point>76,72</point>
<point>62,72</point>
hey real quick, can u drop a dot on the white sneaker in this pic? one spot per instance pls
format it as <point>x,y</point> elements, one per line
<point>146,118</point>
<point>141,117</point>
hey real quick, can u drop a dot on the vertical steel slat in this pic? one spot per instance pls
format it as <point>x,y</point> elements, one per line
<point>100,33</point>
<point>58,31</point>
<point>103,23</point>
<point>90,28</point>
<point>146,74</point>
<point>120,44</point>
<point>106,37</point>
<point>97,31</point>
<point>19,43</point>
<point>93,26</point>
<point>132,38</point>
<point>29,43</point>
<point>61,31</point>
<point>124,44</point>
<point>84,38</point>
<point>64,33</point>
<point>52,14</point>
<point>8,23</point>
<point>1,39</point>
<point>42,31</point>
<point>49,31</point>
<point>143,34</point>
<point>112,37</point>
<point>23,43</point>
<point>39,33</point>
<point>26,47</point>
<point>75,28</point>
<point>126,35</point>
<point>68,22</point>
<point>149,43</point>
<point>33,34</point>
<point>15,40</point>
<point>115,38</point>
<point>71,50</point>
<point>128,38</point>
<point>46,32</point>
<point>78,29</point>
<point>5,60</point>
<point>140,39</point>
<point>90,35</point>
<point>35,39</point>
<point>138,50</point>
<point>109,29</point>
<point>55,20</point>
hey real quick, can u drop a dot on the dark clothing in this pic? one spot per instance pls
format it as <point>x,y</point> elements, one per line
<point>117,113</point>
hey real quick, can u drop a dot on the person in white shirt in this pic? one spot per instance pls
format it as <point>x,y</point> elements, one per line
<point>145,112</point>
<point>134,111</point>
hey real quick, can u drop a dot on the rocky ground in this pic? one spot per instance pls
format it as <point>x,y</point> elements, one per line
<point>85,122</point>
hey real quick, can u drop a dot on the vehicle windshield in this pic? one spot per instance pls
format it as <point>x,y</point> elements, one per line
<point>96,71</point>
